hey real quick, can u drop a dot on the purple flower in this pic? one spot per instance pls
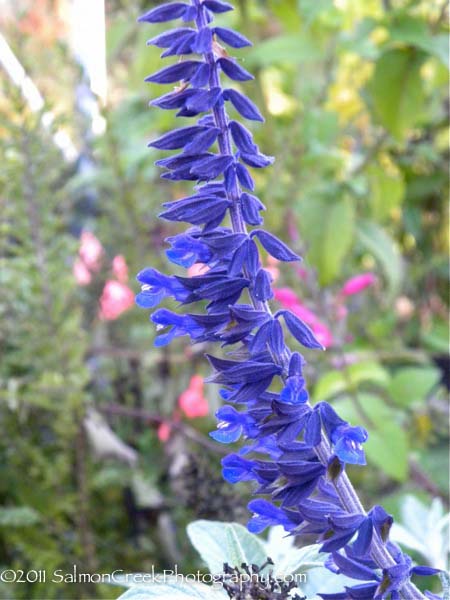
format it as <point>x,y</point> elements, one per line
<point>266,515</point>
<point>156,287</point>
<point>232,425</point>
<point>236,468</point>
<point>348,442</point>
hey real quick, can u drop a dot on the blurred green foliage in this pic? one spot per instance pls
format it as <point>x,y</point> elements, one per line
<point>355,98</point>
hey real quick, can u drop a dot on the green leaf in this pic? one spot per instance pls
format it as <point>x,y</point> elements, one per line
<point>288,49</point>
<point>435,462</point>
<point>388,449</point>
<point>386,191</point>
<point>412,384</point>
<point>367,371</point>
<point>387,446</point>
<point>179,590</point>
<point>414,31</point>
<point>337,382</point>
<point>219,543</point>
<point>311,10</point>
<point>436,339</point>
<point>359,40</point>
<point>287,13</point>
<point>320,129</point>
<point>396,90</point>
<point>385,250</point>
<point>329,385</point>
<point>328,228</point>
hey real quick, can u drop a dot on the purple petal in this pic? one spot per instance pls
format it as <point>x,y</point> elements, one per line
<point>166,12</point>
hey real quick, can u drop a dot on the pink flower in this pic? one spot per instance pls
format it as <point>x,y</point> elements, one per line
<point>192,401</point>
<point>120,268</point>
<point>288,299</point>
<point>305,314</point>
<point>301,272</point>
<point>341,311</point>
<point>90,250</point>
<point>164,431</point>
<point>272,267</point>
<point>322,333</point>
<point>116,298</point>
<point>357,284</point>
<point>81,273</point>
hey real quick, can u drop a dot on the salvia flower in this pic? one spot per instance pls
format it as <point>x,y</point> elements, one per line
<point>116,298</point>
<point>358,283</point>
<point>90,251</point>
<point>295,454</point>
<point>348,442</point>
<point>81,273</point>
<point>120,268</point>
<point>192,401</point>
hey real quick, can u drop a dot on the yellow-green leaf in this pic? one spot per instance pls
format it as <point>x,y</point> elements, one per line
<point>397,91</point>
<point>328,228</point>
<point>386,191</point>
<point>412,384</point>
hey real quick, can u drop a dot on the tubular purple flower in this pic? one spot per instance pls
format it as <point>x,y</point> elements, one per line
<point>296,453</point>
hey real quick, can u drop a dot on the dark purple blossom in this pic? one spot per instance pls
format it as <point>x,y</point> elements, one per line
<point>348,442</point>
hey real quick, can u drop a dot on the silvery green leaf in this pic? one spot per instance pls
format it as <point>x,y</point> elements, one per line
<point>424,529</point>
<point>445,581</point>
<point>287,558</point>
<point>173,591</point>
<point>322,580</point>
<point>219,543</point>
<point>404,537</point>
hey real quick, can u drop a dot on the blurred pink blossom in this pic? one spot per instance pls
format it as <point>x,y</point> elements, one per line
<point>357,284</point>
<point>322,333</point>
<point>164,431</point>
<point>301,272</point>
<point>90,250</point>
<point>116,298</point>
<point>288,299</point>
<point>341,312</point>
<point>272,267</point>
<point>120,268</point>
<point>305,314</point>
<point>81,273</point>
<point>192,401</point>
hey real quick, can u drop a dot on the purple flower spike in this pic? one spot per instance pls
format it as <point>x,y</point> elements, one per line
<point>294,453</point>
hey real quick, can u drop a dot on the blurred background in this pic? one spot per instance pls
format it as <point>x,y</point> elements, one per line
<point>105,454</point>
